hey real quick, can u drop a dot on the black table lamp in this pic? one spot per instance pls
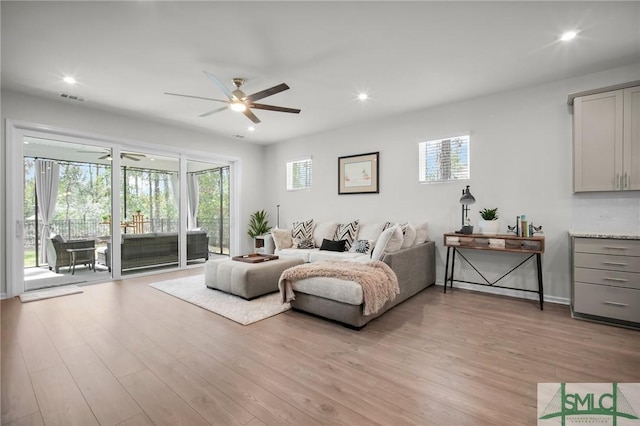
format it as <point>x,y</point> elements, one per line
<point>466,200</point>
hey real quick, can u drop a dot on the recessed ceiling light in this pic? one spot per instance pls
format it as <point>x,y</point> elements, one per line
<point>69,80</point>
<point>251,129</point>
<point>363,96</point>
<point>26,142</point>
<point>569,35</point>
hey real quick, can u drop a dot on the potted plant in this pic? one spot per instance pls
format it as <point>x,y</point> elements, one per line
<point>258,224</point>
<point>489,224</point>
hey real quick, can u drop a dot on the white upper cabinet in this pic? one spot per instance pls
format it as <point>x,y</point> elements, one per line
<point>606,141</point>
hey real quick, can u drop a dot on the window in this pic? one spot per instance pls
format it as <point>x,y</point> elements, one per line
<point>444,159</point>
<point>299,174</point>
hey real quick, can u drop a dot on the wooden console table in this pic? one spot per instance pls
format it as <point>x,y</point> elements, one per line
<point>531,246</point>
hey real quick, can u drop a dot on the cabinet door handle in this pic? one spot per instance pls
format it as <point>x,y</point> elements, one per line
<point>622,305</point>
<point>628,176</point>
<point>615,247</point>
<point>621,280</point>
<point>618,180</point>
<point>614,263</point>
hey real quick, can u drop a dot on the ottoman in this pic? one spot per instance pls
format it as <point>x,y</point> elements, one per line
<point>247,280</point>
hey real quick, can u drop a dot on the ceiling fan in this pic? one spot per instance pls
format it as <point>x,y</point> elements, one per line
<point>123,155</point>
<point>239,101</point>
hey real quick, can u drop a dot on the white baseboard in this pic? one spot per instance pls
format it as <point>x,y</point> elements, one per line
<point>510,293</point>
<point>3,296</point>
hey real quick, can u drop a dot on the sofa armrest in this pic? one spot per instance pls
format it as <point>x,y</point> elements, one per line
<point>415,266</point>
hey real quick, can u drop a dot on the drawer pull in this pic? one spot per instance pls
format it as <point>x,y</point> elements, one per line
<point>614,263</point>
<point>621,280</point>
<point>606,302</point>
<point>615,247</point>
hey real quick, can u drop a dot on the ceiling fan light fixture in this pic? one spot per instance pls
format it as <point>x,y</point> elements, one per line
<point>238,106</point>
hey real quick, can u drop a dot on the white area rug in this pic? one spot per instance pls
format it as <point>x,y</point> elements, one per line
<point>48,293</point>
<point>245,312</point>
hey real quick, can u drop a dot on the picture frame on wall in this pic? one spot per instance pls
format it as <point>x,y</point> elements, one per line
<point>359,174</point>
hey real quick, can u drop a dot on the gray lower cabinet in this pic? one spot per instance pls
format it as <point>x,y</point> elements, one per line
<point>606,280</point>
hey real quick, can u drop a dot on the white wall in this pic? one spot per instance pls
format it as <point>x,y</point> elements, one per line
<point>521,162</point>
<point>21,107</point>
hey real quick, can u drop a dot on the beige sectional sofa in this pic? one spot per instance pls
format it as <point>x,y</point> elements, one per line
<point>342,301</point>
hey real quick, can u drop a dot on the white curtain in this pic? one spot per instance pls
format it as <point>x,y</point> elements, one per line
<point>175,189</point>
<point>47,181</point>
<point>193,200</point>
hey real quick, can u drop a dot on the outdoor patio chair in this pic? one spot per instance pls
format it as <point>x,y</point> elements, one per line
<point>57,254</point>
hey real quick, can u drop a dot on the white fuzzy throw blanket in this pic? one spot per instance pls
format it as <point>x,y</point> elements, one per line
<point>379,283</point>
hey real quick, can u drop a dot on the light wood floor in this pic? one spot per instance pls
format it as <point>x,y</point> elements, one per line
<point>124,353</point>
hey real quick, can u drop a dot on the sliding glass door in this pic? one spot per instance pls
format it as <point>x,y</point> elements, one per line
<point>208,210</point>
<point>67,201</point>
<point>90,209</point>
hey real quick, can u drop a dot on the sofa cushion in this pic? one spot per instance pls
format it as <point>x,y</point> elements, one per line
<point>390,240</point>
<point>323,231</point>
<point>319,255</point>
<point>422,233</point>
<point>408,235</point>
<point>302,230</point>
<point>349,292</point>
<point>295,253</point>
<point>282,238</point>
<point>347,232</point>
<point>331,245</point>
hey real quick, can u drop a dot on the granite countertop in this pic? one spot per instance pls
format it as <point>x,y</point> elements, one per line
<point>619,236</point>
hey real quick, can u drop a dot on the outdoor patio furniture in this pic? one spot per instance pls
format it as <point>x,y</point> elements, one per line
<point>155,249</point>
<point>57,254</point>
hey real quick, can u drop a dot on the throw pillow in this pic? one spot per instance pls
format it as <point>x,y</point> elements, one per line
<point>347,232</point>
<point>361,246</point>
<point>282,238</point>
<point>370,231</point>
<point>302,230</point>
<point>387,225</point>
<point>331,245</point>
<point>322,231</point>
<point>390,240</point>
<point>422,233</point>
<point>408,234</point>
<point>304,244</point>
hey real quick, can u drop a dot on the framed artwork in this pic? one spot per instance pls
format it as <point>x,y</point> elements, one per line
<point>358,174</point>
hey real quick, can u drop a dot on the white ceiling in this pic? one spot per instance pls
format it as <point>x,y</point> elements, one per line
<point>407,55</point>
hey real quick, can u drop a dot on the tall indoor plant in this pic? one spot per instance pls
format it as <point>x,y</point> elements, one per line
<point>258,224</point>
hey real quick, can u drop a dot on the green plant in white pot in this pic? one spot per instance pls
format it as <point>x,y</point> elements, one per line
<point>258,224</point>
<point>489,224</point>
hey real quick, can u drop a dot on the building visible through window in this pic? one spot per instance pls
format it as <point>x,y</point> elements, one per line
<point>444,159</point>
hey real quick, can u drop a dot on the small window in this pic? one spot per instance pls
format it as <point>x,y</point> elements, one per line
<point>444,159</point>
<point>299,174</point>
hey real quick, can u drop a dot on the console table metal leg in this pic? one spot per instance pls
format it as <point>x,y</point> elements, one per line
<point>540,285</point>
<point>453,264</point>
<point>446,270</point>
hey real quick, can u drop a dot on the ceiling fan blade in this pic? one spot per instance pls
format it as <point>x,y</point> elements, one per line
<point>196,97</point>
<point>275,108</point>
<point>104,157</point>
<point>220,84</point>
<point>267,92</point>
<point>206,114</point>
<point>133,154</point>
<point>251,116</point>
<point>130,157</point>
